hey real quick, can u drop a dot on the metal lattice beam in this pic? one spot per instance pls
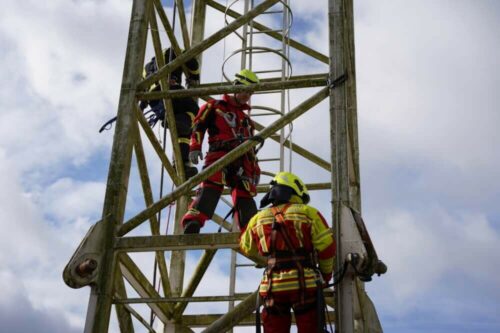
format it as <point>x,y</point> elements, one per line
<point>107,244</point>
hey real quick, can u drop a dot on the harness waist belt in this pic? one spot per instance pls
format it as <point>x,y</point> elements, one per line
<point>224,145</point>
<point>289,263</point>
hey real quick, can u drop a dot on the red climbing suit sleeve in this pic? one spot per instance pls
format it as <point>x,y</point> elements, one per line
<point>323,242</point>
<point>200,126</point>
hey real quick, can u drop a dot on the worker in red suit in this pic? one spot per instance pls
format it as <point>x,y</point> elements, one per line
<point>228,126</point>
<point>300,252</point>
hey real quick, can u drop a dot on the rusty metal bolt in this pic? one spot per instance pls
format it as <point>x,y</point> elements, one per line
<point>380,268</point>
<point>86,268</point>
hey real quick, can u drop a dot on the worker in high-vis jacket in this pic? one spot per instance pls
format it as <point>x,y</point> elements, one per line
<point>228,125</point>
<point>300,251</point>
<point>184,108</point>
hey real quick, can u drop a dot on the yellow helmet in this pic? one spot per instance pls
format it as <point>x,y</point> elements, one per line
<point>284,185</point>
<point>246,77</point>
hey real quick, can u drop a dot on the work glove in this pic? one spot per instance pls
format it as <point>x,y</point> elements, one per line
<point>195,156</point>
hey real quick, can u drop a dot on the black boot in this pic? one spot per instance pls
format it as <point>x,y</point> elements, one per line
<point>190,171</point>
<point>192,227</point>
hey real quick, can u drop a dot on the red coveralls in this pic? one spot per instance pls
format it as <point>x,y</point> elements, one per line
<point>228,126</point>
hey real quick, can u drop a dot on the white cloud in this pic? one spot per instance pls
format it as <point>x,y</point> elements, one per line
<point>20,217</point>
<point>420,83</point>
<point>424,249</point>
<point>427,74</point>
<point>18,315</point>
<point>34,251</point>
<point>60,95</point>
<point>67,199</point>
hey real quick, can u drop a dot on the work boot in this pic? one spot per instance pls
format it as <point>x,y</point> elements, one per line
<point>190,171</point>
<point>192,227</point>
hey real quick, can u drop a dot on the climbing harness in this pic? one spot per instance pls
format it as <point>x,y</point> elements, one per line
<point>289,259</point>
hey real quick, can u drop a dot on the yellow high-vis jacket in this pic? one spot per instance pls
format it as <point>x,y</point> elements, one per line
<point>307,230</point>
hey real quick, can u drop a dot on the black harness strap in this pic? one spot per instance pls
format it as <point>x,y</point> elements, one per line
<point>257,313</point>
<point>278,216</point>
<point>269,301</point>
<point>274,262</point>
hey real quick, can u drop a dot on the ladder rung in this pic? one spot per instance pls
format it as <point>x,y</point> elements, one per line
<point>264,31</point>
<point>269,159</point>
<point>245,265</point>
<point>267,92</point>
<point>266,114</point>
<point>235,297</point>
<point>273,12</point>
<point>269,71</point>
<point>263,51</point>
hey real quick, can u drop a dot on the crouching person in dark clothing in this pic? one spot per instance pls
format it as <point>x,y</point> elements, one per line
<point>185,108</point>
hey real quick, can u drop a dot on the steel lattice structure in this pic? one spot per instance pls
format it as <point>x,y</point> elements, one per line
<point>103,258</point>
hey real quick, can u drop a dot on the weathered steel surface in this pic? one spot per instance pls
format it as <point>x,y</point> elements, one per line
<point>198,273</point>
<point>209,41</point>
<point>141,285</point>
<point>98,312</point>
<point>157,146</point>
<point>167,102</point>
<point>178,242</point>
<point>155,225</point>
<point>232,318</point>
<point>228,158</point>
<point>230,88</point>
<point>182,300</point>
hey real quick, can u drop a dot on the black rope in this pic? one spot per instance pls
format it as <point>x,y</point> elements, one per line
<point>231,211</point>
<point>321,305</point>
<point>108,125</point>
<point>338,275</point>
<point>257,313</point>
<point>259,139</point>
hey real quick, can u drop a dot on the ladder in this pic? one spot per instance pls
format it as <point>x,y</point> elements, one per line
<point>252,47</point>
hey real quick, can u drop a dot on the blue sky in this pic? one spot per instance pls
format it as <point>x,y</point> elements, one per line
<point>427,83</point>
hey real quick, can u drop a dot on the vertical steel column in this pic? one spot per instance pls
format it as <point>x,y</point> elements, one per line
<point>246,45</point>
<point>351,104</point>
<point>198,24</point>
<point>178,258</point>
<point>344,147</point>
<point>284,75</point>
<point>101,297</point>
